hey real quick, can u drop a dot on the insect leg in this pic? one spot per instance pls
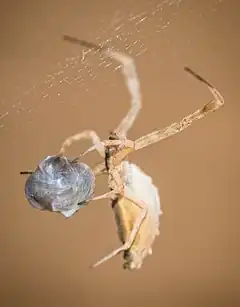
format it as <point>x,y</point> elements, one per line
<point>133,233</point>
<point>87,134</point>
<point>175,128</point>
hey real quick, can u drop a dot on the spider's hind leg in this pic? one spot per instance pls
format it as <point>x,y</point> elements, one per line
<point>127,245</point>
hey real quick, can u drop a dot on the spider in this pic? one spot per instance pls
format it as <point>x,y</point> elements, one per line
<point>135,199</point>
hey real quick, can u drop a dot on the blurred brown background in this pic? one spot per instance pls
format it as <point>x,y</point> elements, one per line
<point>48,93</point>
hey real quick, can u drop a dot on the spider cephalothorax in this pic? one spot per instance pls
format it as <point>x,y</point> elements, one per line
<point>135,199</point>
<point>109,151</point>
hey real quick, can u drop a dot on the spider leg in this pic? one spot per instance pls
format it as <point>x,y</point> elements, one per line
<point>133,233</point>
<point>87,134</point>
<point>110,194</point>
<point>115,192</point>
<point>105,144</point>
<point>90,149</point>
<point>101,172</point>
<point>99,169</point>
<point>133,84</point>
<point>109,143</point>
<point>175,128</point>
<point>131,78</point>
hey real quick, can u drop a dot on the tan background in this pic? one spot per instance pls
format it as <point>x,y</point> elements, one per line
<point>44,258</point>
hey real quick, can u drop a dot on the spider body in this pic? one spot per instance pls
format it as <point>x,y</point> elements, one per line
<point>126,213</point>
<point>59,184</point>
<point>135,199</point>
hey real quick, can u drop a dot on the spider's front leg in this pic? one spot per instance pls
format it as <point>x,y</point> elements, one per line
<point>87,134</point>
<point>212,106</point>
<point>129,72</point>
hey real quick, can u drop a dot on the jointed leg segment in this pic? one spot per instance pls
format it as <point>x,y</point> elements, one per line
<point>109,143</point>
<point>131,77</point>
<point>133,233</point>
<point>87,134</point>
<point>175,128</point>
<point>111,195</point>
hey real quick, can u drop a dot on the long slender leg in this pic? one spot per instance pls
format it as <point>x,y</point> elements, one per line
<point>87,134</point>
<point>133,84</point>
<point>110,195</point>
<point>175,128</point>
<point>131,77</point>
<point>133,233</point>
<point>109,143</point>
<point>119,156</point>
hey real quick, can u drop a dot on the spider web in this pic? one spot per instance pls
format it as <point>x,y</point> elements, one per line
<point>127,31</point>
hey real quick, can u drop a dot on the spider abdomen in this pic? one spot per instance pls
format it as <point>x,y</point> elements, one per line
<point>141,188</point>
